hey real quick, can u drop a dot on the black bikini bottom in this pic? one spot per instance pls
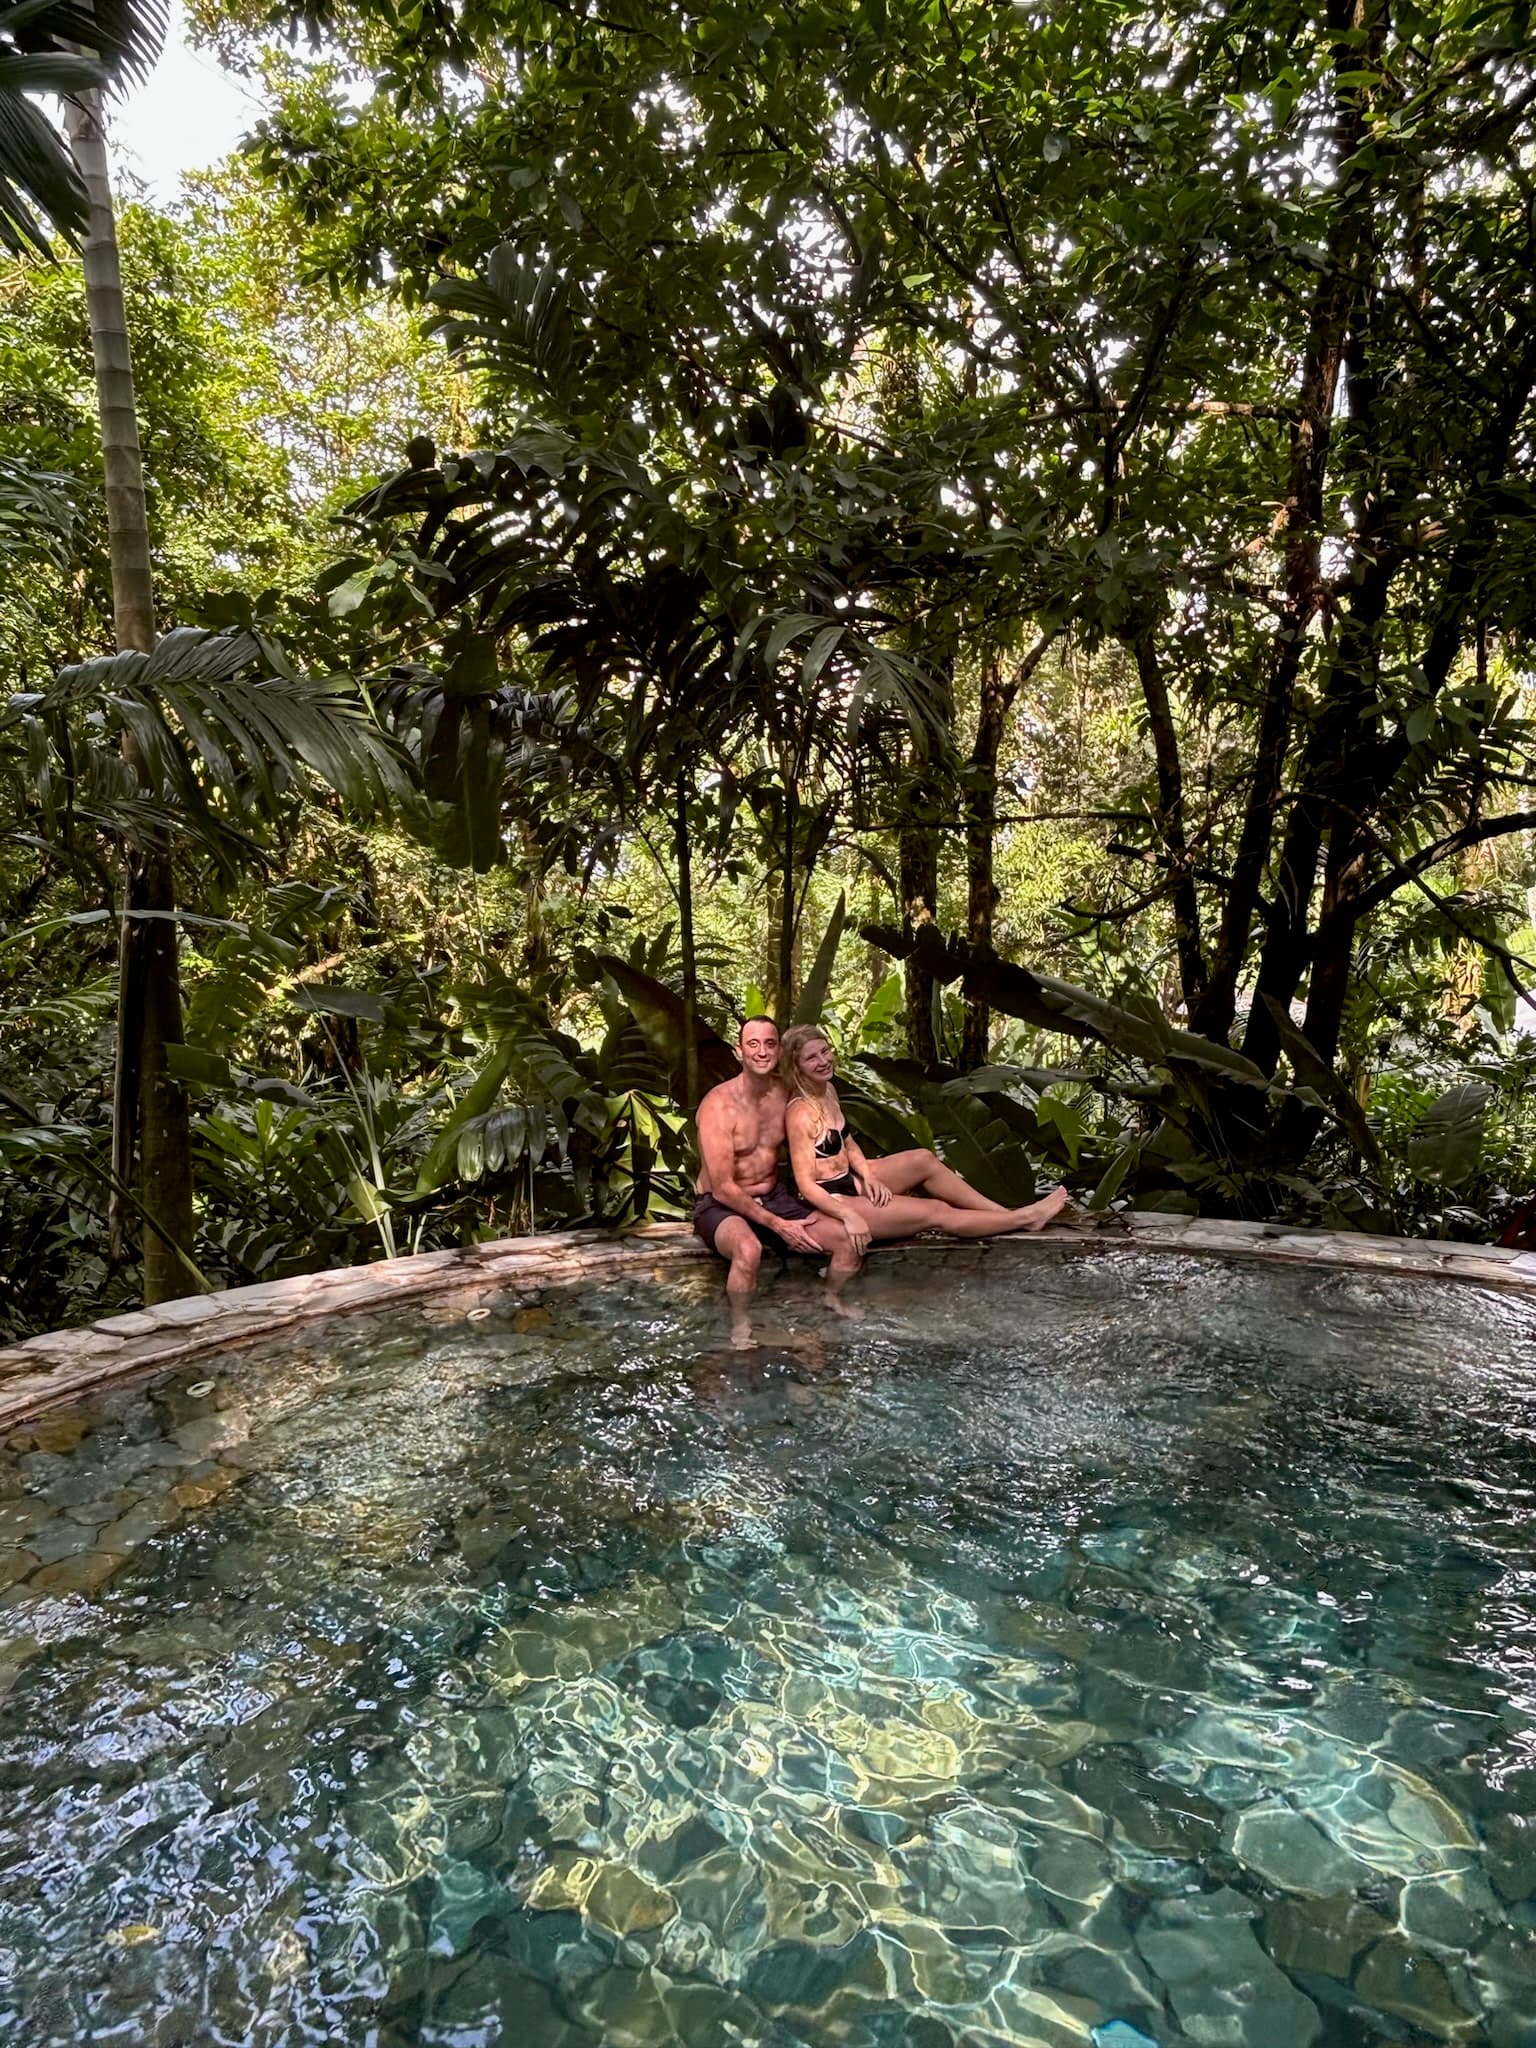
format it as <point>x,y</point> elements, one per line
<point>845,1184</point>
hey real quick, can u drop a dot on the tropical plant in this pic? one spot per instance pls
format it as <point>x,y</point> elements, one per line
<point>197,741</point>
<point>65,47</point>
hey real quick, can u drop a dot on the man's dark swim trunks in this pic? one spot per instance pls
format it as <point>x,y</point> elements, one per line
<point>708,1215</point>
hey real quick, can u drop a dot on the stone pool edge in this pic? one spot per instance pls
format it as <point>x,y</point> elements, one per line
<point>45,1371</point>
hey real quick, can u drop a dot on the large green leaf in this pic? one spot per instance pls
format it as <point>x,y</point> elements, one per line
<point>658,1010</point>
<point>1313,1071</point>
<point>441,1161</point>
<point>213,739</point>
<point>67,47</point>
<point>338,1002</point>
<point>1447,1143</point>
<point>813,997</point>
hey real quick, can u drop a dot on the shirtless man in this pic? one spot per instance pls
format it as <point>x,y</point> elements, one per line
<point>741,1205</point>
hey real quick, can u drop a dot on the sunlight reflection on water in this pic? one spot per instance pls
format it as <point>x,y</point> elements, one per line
<point>1119,1639</point>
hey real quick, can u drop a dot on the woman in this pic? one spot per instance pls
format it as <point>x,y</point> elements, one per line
<point>879,1198</point>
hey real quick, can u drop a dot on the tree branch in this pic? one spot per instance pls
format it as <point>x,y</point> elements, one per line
<point>1406,871</point>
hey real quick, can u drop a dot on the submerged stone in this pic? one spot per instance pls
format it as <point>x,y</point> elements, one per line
<point>59,1539</point>
<point>1448,1910</point>
<point>58,1433</point>
<point>562,1885</point>
<point>1509,1853</point>
<point>198,1492</point>
<point>1405,1982</point>
<point>1292,1853</point>
<point>1425,1817</point>
<point>798,1974</point>
<point>1051,2019</point>
<point>16,1565</point>
<point>84,1574</point>
<point>1118,1983</point>
<point>1225,1991</point>
<point>1508,1960</point>
<point>1153,1813</point>
<point>1322,1936</point>
<point>1073,1869</point>
<point>622,1901</point>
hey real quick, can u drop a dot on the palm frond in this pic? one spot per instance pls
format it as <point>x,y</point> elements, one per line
<point>60,47</point>
<point>215,740</point>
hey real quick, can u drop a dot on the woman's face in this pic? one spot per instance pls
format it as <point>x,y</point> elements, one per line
<point>817,1062</point>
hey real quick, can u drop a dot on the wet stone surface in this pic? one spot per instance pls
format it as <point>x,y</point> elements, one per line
<point>1078,1653</point>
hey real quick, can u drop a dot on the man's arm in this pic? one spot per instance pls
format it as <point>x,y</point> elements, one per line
<point>717,1148</point>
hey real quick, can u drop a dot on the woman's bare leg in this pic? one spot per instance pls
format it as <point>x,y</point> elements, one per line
<point>905,1215</point>
<point>842,1263</point>
<point>905,1173</point>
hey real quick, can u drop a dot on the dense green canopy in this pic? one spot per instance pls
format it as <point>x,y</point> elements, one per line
<point>1059,476</point>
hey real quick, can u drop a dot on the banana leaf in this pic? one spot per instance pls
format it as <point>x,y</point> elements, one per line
<point>658,1010</point>
<point>813,997</point>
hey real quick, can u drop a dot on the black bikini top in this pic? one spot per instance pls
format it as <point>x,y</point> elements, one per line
<point>831,1142</point>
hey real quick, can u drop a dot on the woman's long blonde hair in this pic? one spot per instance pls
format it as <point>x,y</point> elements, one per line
<point>791,1045</point>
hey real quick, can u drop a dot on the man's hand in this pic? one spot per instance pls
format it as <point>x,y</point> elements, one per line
<point>876,1193</point>
<point>858,1232</point>
<point>796,1233</point>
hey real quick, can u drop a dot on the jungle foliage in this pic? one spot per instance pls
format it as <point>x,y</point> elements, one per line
<point>1011,530</point>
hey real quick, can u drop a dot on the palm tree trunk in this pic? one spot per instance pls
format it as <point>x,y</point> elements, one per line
<point>150,1122</point>
<point>683,846</point>
<point>784,990</point>
<point>918,870</point>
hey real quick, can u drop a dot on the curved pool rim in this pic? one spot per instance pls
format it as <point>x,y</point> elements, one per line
<point>59,1366</point>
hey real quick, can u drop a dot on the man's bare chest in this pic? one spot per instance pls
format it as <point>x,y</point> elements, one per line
<point>758,1130</point>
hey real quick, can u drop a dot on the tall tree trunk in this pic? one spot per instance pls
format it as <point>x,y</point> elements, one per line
<point>1334,305</point>
<point>918,872</point>
<point>150,1122</point>
<point>773,895</point>
<point>784,993</point>
<point>997,697</point>
<point>1170,818</point>
<point>683,849</point>
<point>1331,770</point>
<point>980,874</point>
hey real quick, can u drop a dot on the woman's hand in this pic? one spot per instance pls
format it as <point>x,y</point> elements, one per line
<point>858,1230</point>
<point>875,1192</point>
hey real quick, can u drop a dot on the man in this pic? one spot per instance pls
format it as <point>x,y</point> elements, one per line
<point>741,1205</point>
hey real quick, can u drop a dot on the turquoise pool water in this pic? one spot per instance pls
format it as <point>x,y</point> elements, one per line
<point>1071,1648</point>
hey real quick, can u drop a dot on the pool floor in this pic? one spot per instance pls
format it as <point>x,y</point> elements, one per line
<point>1096,1650</point>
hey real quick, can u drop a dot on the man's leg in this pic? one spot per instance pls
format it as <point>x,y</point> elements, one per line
<point>738,1242</point>
<point>904,1173</point>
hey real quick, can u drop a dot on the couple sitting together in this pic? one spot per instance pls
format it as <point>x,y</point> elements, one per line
<point>839,1200</point>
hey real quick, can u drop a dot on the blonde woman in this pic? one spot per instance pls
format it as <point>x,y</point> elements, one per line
<point>878,1198</point>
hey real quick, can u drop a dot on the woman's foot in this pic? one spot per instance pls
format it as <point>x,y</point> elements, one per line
<point>1038,1214</point>
<point>850,1311</point>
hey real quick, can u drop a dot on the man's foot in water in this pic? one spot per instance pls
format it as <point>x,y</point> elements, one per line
<point>743,1337</point>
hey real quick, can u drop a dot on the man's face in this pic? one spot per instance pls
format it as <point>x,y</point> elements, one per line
<point>760,1048</point>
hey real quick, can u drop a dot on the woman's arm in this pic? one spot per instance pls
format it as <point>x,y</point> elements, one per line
<point>802,1163</point>
<point>873,1191</point>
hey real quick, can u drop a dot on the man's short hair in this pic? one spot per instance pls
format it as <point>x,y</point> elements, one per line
<point>761,1017</point>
